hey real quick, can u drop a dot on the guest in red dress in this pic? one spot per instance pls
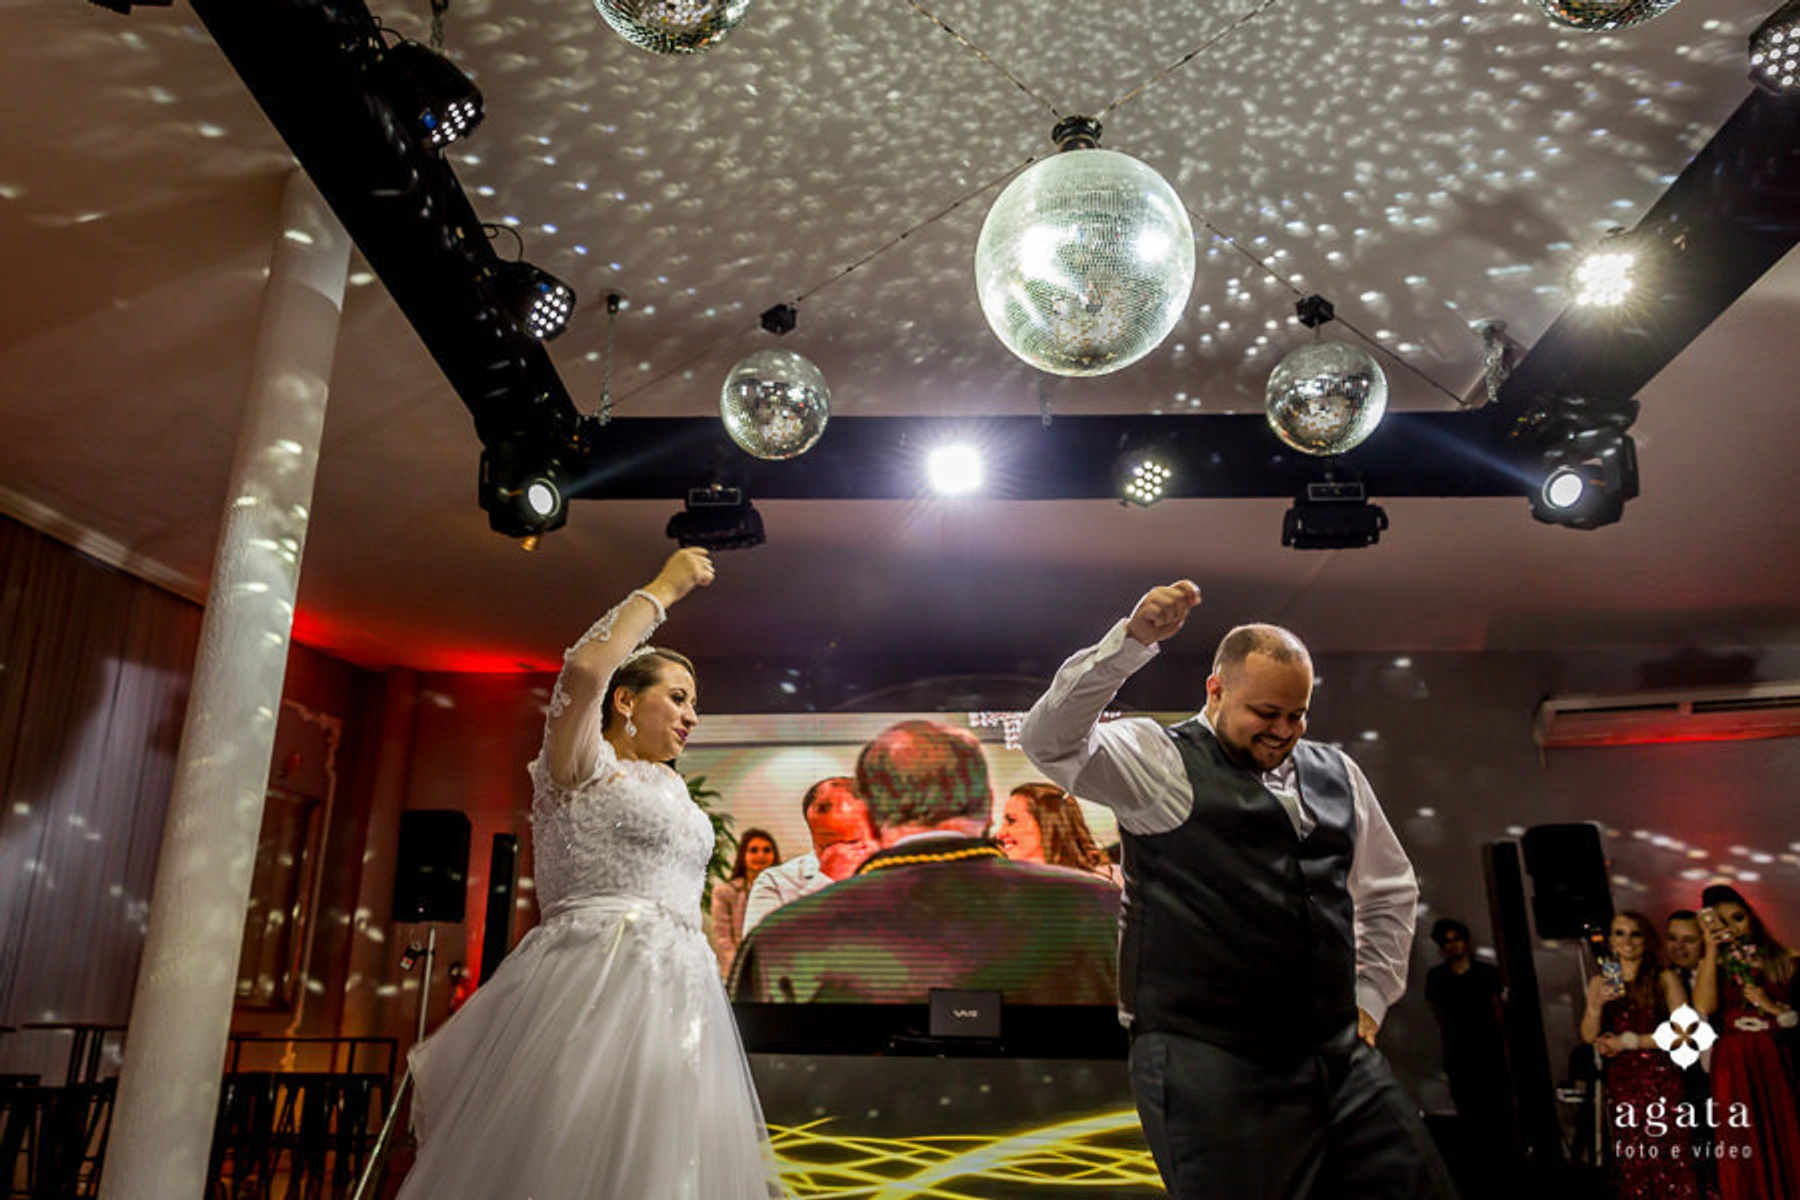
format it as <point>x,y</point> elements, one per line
<point>1649,1157</point>
<point>1746,983</point>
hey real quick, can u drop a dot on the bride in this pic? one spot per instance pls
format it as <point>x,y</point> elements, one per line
<point>601,1060</point>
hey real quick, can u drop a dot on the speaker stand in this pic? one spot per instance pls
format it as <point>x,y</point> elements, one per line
<point>378,1155</point>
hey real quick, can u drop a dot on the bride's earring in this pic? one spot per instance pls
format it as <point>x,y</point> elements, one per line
<point>630,729</point>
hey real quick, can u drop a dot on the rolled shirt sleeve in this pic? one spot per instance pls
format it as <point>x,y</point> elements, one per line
<point>1129,765</point>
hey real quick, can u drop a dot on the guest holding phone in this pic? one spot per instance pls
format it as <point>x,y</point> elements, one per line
<point>1633,994</point>
<point>1745,983</point>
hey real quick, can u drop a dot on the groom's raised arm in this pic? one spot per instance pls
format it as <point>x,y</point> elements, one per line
<point>1128,765</point>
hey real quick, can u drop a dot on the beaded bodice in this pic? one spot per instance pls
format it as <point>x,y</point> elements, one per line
<point>626,828</point>
<point>630,831</point>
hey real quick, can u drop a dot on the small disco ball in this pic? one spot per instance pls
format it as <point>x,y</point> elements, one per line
<point>1326,397</point>
<point>1085,262</point>
<point>775,404</point>
<point>673,26</point>
<point>1598,16</point>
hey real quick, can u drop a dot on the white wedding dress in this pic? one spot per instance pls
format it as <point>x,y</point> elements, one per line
<point>601,1061</point>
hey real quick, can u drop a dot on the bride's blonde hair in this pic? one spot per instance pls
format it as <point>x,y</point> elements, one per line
<point>637,674</point>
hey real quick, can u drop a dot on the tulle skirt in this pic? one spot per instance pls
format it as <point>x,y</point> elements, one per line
<point>601,1062</point>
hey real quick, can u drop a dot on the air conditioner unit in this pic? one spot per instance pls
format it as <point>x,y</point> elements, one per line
<point>1728,714</point>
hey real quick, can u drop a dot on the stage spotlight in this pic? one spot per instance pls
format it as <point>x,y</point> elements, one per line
<point>432,93</point>
<point>1775,51</point>
<point>1333,516</point>
<point>1563,487</point>
<point>1607,275</point>
<point>954,469</point>
<point>1587,493</point>
<point>536,299</point>
<point>520,494</point>
<point>1143,479</point>
<point>542,499</point>
<point>719,518</point>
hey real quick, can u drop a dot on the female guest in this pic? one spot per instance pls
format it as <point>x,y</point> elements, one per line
<point>602,1059</point>
<point>1745,982</point>
<point>1622,1015</point>
<point>1043,824</point>
<point>756,853</point>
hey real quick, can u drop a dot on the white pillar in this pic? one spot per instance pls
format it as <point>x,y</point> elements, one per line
<point>181,1013</point>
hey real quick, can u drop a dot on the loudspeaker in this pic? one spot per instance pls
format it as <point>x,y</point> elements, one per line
<point>503,879</point>
<point>432,873</point>
<point>1534,1127</point>
<point>1571,895</point>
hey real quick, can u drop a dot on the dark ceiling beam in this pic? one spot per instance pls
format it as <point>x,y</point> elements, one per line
<point>1732,214</point>
<point>1073,458</point>
<point>313,66</point>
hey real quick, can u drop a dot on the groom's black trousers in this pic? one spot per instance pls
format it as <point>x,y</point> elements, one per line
<point>1333,1124</point>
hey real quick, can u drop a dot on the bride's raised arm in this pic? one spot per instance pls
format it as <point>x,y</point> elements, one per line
<point>578,704</point>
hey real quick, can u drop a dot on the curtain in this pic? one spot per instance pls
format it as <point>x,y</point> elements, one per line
<point>94,671</point>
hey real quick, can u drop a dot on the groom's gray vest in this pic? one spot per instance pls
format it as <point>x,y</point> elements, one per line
<point>1234,929</point>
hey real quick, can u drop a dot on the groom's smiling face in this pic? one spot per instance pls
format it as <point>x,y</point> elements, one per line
<point>1258,709</point>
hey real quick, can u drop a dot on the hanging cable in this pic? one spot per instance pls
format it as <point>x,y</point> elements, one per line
<point>1191,55</point>
<point>1293,287</point>
<point>933,219</point>
<point>438,9</point>
<point>978,52</point>
<point>711,347</point>
<point>614,302</point>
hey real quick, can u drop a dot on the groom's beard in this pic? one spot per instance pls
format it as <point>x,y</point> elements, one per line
<point>1240,756</point>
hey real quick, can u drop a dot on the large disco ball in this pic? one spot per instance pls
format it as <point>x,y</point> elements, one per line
<point>1597,16</point>
<point>775,404</point>
<point>673,26</point>
<point>1326,397</point>
<point>1085,262</point>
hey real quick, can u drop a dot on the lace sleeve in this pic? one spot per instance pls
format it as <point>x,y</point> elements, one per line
<point>577,702</point>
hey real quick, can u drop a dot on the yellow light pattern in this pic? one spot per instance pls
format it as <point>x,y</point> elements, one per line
<point>1102,1153</point>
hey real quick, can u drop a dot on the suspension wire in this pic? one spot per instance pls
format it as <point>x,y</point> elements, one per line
<point>1213,40</point>
<point>438,9</point>
<point>1295,288</point>
<point>605,414</point>
<point>1395,355</point>
<point>978,52</point>
<point>707,351</point>
<point>933,219</point>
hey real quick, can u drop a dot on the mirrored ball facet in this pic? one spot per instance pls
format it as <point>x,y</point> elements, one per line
<point>775,404</point>
<point>673,26</point>
<point>1085,262</point>
<point>1326,397</point>
<point>1597,16</point>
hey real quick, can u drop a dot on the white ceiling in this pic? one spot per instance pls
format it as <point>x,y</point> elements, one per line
<point>1424,163</point>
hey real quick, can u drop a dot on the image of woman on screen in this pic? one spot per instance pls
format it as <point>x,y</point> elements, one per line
<point>1745,983</point>
<point>1625,1004</point>
<point>602,1058</point>
<point>756,853</point>
<point>1043,824</point>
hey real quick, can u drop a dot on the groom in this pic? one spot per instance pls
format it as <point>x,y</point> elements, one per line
<point>1267,921</point>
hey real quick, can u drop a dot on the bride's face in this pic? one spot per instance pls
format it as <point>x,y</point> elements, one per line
<point>664,715</point>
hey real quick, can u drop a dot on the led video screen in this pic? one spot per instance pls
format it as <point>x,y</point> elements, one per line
<point>881,886</point>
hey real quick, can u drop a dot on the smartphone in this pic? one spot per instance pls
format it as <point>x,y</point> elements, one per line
<point>1713,923</point>
<point>1614,974</point>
